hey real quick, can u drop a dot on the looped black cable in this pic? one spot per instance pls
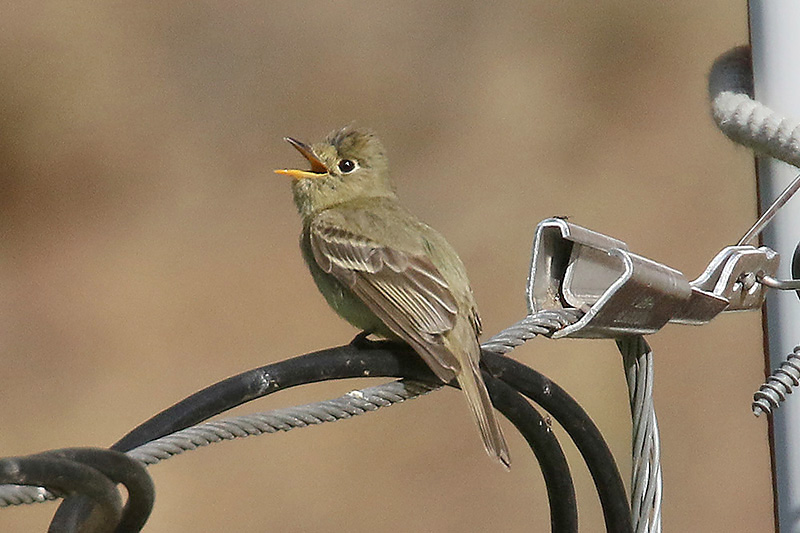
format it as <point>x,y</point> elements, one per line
<point>579,426</point>
<point>548,452</point>
<point>87,476</point>
<point>119,468</point>
<point>66,476</point>
<point>384,359</point>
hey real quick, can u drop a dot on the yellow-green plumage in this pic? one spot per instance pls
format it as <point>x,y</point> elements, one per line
<point>386,272</point>
<point>339,297</point>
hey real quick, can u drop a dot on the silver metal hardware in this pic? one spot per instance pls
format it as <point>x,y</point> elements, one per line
<point>622,293</point>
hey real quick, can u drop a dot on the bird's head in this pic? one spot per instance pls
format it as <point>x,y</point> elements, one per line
<point>349,164</point>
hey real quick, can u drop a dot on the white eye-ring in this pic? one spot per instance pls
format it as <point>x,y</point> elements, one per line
<point>346,166</point>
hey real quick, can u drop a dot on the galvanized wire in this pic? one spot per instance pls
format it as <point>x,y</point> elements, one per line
<point>780,383</point>
<point>351,404</point>
<point>740,117</point>
<point>24,494</point>
<point>541,323</point>
<point>646,479</point>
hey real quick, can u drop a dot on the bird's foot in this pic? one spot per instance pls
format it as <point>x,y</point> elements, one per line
<point>363,341</point>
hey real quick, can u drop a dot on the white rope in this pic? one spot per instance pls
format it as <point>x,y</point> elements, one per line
<point>745,120</point>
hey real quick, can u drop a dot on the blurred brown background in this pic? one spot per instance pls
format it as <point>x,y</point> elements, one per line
<point>148,250</point>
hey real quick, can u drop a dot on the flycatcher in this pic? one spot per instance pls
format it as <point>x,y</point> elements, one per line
<point>386,272</point>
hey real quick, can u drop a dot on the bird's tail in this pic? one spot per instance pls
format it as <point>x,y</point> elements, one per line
<point>472,384</point>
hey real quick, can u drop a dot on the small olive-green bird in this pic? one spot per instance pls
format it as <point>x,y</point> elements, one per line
<point>386,272</point>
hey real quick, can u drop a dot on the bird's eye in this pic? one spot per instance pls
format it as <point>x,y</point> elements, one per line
<point>347,166</point>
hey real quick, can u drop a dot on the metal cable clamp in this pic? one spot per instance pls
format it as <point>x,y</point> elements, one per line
<point>622,293</point>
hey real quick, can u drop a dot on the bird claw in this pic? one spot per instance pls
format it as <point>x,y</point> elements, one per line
<point>362,341</point>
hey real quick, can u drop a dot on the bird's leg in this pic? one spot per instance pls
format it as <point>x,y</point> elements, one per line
<point>362,341</point>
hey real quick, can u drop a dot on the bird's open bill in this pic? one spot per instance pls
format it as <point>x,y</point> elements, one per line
<point>318,168</point>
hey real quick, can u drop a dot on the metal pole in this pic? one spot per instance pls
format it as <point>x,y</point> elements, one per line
<point>775,40</point>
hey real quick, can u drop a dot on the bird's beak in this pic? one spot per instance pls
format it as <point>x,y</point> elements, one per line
<point>318,168</point>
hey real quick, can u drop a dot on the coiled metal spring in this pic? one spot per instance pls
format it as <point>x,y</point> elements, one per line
<point>770,395</point>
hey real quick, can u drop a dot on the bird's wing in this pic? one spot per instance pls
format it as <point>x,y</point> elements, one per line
<point>406,291</point>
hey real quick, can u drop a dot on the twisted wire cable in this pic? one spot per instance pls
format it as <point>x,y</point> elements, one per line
<point>541,323</point>
<point>24,494</point>
<point>780,383</point>
<point>646,480</point>
<point>351,404</point>
<point>740,117</point>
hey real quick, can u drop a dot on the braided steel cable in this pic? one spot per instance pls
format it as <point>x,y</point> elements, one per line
<point>351,404</point>
<point>385,359</point>
<point>84,474</point>
<point>540,323</point>
<point>646,480</point>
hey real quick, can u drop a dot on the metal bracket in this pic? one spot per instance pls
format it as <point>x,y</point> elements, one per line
<point>622,293</point>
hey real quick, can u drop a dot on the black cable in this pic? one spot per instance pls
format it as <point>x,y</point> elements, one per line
<point>362,359</point>
<point>379,359</point>
<point>385,359</point>
<point>581,429</point>
<point>553,463</point>
<point>67,477</point>
<point>118,468</point>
